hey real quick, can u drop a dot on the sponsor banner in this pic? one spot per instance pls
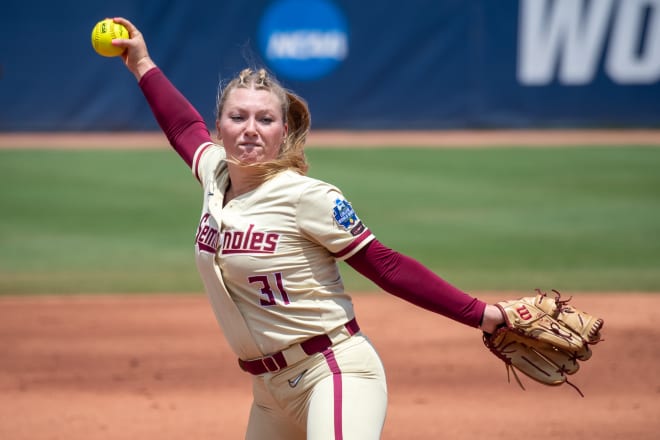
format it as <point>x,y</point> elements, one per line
<point>421,64</point>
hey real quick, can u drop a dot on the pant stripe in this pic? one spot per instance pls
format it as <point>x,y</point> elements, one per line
<point>336,379</point>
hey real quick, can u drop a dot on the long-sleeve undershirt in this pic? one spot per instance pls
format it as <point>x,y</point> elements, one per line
<point>408,279</point>
<point>183,126</point>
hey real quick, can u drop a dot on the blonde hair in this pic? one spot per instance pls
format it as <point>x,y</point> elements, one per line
<point>295,113</point>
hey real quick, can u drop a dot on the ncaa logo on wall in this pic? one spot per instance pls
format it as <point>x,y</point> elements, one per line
<point>303,39</point>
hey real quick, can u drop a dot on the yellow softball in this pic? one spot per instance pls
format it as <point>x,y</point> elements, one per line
<point>102,35</point>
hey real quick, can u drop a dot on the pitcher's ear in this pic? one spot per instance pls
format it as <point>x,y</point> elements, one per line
<point>218,135</point>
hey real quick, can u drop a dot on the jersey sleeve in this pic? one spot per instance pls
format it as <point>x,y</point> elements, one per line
<point>326,217</point>
<point>206,160</point>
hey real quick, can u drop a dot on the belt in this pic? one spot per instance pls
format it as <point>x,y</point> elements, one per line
<point>298,352</point>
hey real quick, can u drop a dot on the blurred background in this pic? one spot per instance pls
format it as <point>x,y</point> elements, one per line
<point>576,217</point>
<point>419,64</point>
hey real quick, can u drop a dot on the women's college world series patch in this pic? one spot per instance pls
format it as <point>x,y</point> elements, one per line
<point>346,217</point>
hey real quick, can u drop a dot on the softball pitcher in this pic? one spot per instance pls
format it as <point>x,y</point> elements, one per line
<point>267,247</point>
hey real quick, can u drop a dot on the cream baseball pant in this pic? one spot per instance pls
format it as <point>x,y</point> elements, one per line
<point>339,394</point>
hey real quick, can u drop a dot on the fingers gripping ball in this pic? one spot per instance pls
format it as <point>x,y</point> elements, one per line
<point>102,35</point>
<point>544,338</point>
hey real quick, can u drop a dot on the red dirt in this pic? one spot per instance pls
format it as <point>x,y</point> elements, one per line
<point>157,367</point>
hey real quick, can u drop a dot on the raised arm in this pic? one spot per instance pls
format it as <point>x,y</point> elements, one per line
<point>183,126</point>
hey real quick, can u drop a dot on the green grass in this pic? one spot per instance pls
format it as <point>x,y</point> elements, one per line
<point>582,218</point>
<point>83,221</point>
<point>569,218</point>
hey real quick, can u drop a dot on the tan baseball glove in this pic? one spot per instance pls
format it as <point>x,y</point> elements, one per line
<point>544,338</point>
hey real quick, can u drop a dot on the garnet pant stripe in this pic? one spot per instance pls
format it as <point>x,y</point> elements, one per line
<point>336,380</point>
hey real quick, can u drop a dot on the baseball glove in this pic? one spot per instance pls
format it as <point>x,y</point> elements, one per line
<point>544,338</point>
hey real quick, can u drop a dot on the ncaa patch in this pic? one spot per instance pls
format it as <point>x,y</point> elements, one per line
<point>344,214</point>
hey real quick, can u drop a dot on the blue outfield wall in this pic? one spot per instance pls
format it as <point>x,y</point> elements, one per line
<point>418,64</point>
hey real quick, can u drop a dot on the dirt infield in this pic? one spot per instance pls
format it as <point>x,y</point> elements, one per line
<point>157,367</point>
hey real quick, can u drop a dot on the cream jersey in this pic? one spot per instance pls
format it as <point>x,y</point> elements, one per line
<point>268,258</point>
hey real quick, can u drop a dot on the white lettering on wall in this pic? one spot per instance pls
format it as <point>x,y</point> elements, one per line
<point>303,45</point>
<point>625,64</point>
<point>566,40</point>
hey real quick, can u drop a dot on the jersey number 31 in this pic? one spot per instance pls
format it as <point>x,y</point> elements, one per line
<point>268,298</point>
